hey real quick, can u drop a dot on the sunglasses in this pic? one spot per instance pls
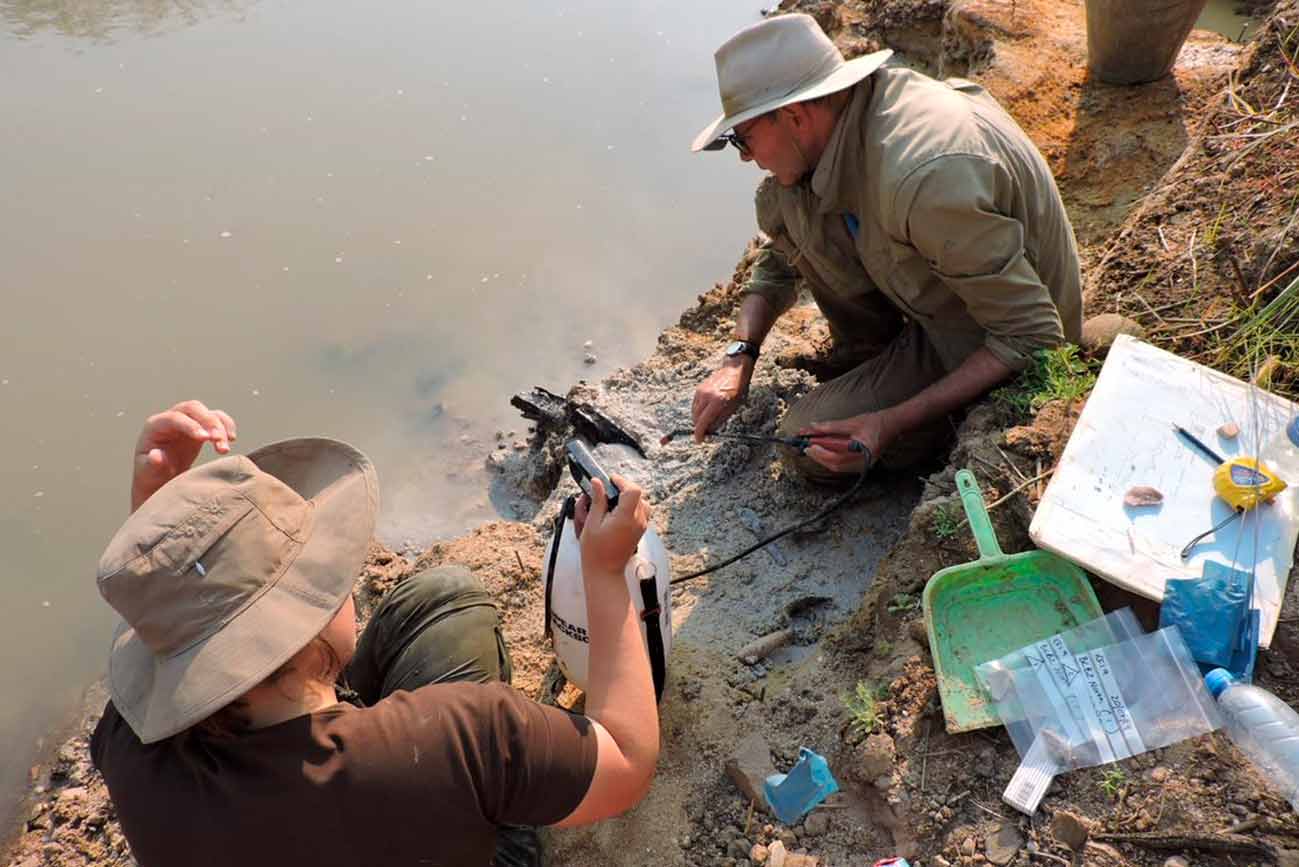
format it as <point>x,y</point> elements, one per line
<point>731,138</point>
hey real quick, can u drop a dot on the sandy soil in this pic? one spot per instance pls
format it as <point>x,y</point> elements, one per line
<point>1142,170</point>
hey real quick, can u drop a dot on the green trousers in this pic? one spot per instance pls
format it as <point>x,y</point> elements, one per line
<point>440,626</point>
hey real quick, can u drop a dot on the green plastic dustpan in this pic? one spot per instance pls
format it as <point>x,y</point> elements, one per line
<point>980,611</point>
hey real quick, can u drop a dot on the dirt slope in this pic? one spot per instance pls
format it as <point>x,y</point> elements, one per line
<point>1143,170</point>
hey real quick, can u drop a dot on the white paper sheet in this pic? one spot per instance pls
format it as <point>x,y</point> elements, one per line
<point>1125,438</point>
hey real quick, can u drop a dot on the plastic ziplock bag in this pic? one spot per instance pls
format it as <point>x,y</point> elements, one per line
<point>997,677</point>
<point>1099,693</point>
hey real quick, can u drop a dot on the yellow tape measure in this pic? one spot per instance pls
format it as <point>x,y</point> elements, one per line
<point>1246,482</point>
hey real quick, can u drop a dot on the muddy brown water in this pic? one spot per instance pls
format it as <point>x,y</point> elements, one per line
<point>371,222</point>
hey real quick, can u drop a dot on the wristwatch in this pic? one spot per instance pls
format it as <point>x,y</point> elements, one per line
<point>742,347</point>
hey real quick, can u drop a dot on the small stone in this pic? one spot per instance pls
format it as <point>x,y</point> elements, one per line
<point>875,757</point>
<point>759,854</point>
<point>1159,774</point>
<point>1143,495</point>
<point>1238,810</point>
<point>749,766</point>
<point>1069,829</point>
<point>1230,431</point>
<point>1177,861</point>
<point>778,855</point>
<point>816,824</point>
<point>1100,332</point>
<point>1002,845</point>
<point>968,846</point>
<point>739,848</point>
<point>72,793</point>
<point>919,634</point>
<point>589,358</point>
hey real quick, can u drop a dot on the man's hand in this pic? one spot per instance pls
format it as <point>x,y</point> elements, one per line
<point>869,429</point>
<point>609,539</point>
<point>171,440</point>
<point>720,395</point>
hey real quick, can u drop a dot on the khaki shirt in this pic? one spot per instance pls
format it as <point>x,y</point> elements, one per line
<point>959,223</point>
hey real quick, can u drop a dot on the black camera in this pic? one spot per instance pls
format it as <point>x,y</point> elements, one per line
<point>584,467</point>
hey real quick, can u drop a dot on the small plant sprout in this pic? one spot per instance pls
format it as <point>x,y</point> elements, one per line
<point>863,708</point>
<point>946,522</point>
<point>903,603</point>
<point>1112,781</point>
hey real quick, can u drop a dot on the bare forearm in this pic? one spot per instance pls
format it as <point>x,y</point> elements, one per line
<point>620,688</point>
<point>755,317</point>
<point>978,373</point>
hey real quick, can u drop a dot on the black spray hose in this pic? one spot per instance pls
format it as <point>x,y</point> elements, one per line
<point>824,513</point>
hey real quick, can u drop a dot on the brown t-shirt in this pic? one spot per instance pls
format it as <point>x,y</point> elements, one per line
<point>422,777</point>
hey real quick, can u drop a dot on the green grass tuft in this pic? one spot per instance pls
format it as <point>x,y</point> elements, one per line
<point>1054,374</point>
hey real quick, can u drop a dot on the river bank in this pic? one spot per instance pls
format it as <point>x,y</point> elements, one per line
<point>1145,173</point>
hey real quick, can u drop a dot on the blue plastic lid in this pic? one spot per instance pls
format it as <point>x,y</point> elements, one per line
<point>1218,680</point>
<point>1292,431</point>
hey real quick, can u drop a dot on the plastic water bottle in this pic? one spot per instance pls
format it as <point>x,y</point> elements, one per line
<point>1264,727</point>
<point>1281,453</point>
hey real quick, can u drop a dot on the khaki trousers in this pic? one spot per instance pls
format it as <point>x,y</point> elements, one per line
<point>906,366</point>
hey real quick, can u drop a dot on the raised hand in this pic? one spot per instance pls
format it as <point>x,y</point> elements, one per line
<point>170,441</point>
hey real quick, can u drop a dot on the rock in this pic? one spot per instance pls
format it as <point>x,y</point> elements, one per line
<point>968,846</point>
<point>1143,495</point>
<point>919,634</point>
<point>1069,829</point>
<point>1240,811</point>
<point>749,766</point>
<point>759,854</point>
<point>739,848</point>
<point>1159,774</point>
<point>72,793</point>
<point>875,757</point>
<point>1002,845</point>
<point>777,855</point>
<point>590,358</point>
<point>816,824</point>
<point>1177,861</point>
<point>1100,332</point>
<point>1230,431</point>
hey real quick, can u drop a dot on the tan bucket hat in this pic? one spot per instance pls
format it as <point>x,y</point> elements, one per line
<point>229,570</point>
<point>773,63</point>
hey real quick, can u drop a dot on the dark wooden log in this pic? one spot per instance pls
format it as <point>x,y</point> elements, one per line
<point>556,414</point>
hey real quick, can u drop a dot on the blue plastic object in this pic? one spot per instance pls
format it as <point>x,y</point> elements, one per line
<point>791,796</point>
<point>1265,728</point>
<point>1216,617</point>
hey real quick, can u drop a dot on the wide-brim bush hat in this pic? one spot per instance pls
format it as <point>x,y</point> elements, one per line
<point>227,571</point>
<point>776,62</point>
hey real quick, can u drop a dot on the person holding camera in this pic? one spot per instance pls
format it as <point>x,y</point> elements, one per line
<point>923,220</point>
<point>225,739</point>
